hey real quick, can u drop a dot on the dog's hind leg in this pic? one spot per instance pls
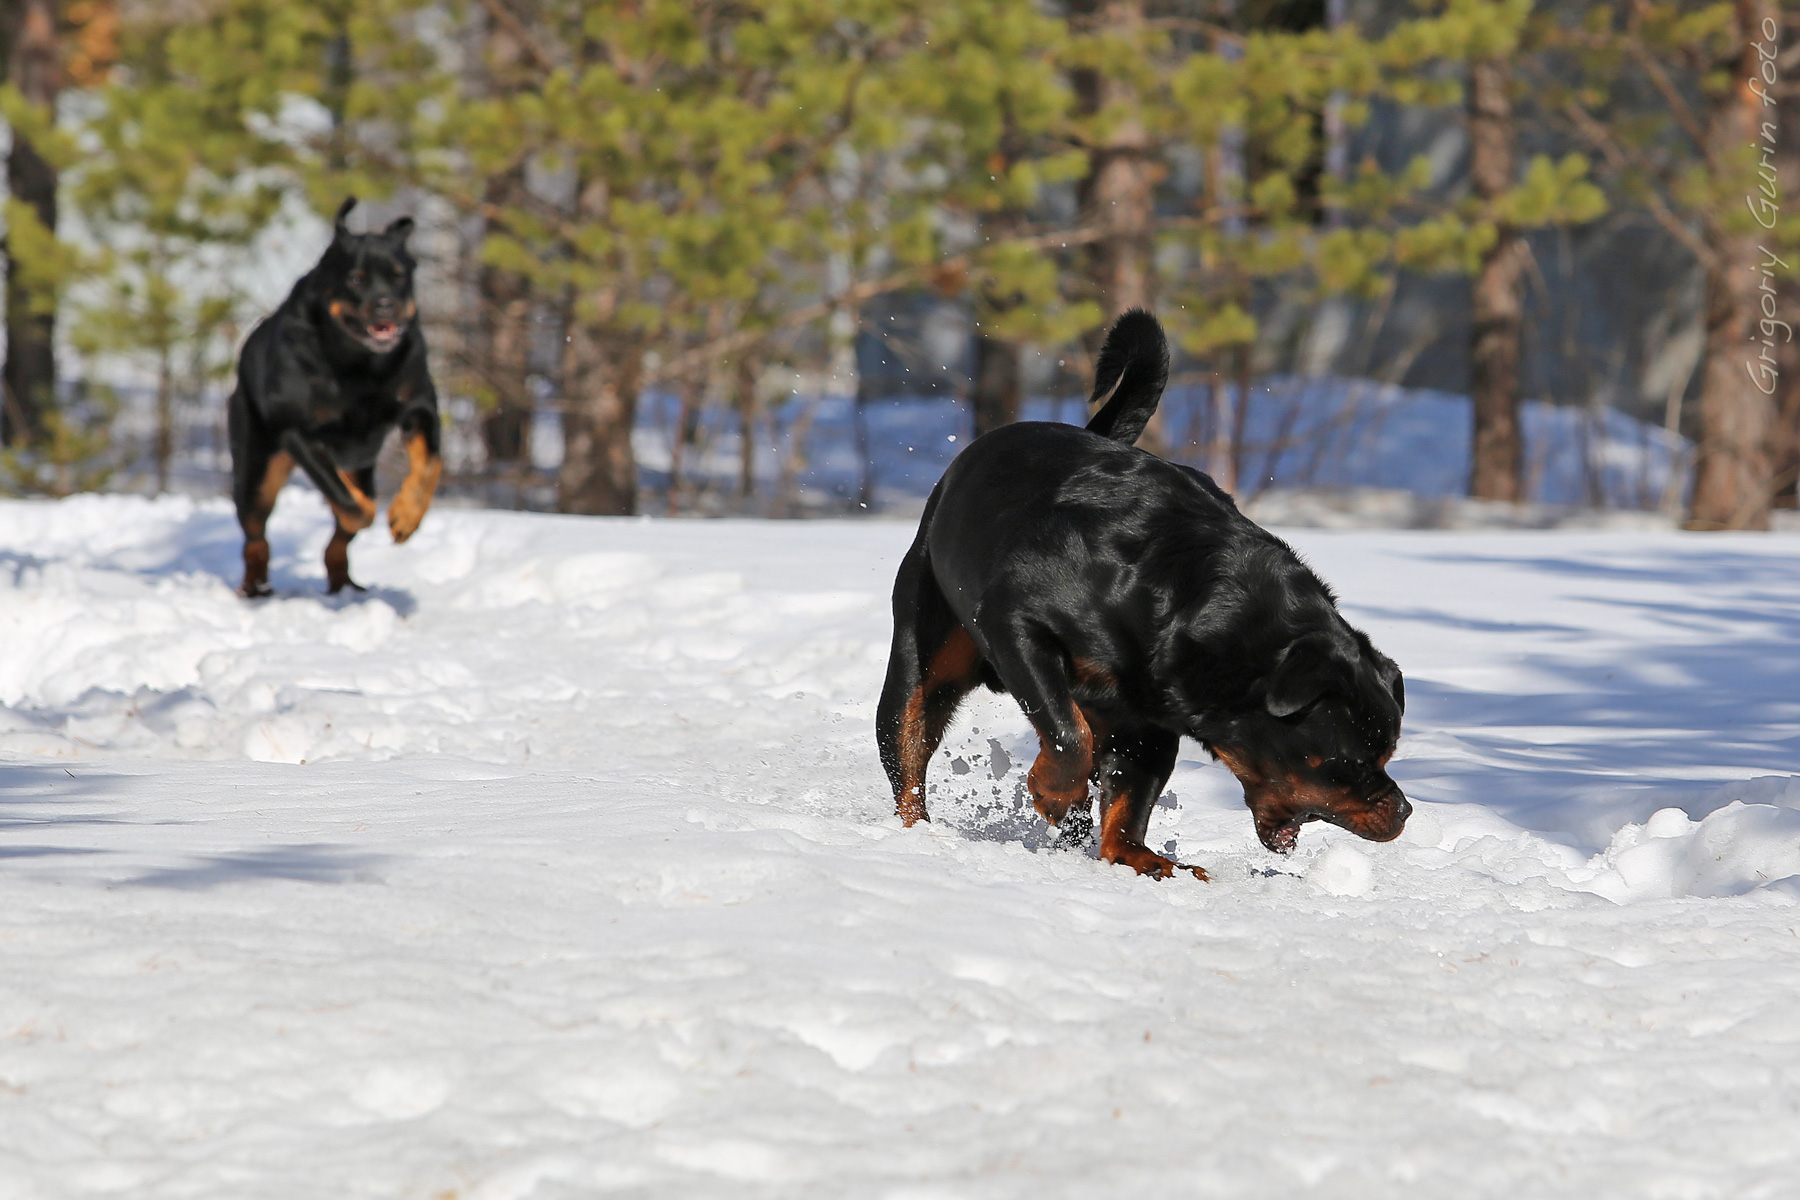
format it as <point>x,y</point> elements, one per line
<point>933,664</point>
<point>257,474</point>
<point>351,495</point>
<point>337,550</point>
<point>1131,768</point>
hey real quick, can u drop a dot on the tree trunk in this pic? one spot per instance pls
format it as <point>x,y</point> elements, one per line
<point>340,75</point>
<point>1787,389</point>
<point>1240,421</point>
<point>743,398</point>
<point>1221,452</point>
<point>686,434</point>
<point>1118,195</point>
<point>602,371</point>
<point>1787,408</point>
<point>600,392</point>
<point>32,65</point>
<point>1734,483</point>
<point>996,394</point>
<point>1119,190</point>
<point>501,355</point>
<point>165,419</point>
<point>1497,308</point>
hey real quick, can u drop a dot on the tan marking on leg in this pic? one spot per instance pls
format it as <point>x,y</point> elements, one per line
<point>1095,675</point>
<point>364,516</point>
<point>1118,846</point>
<point>909,805</point>
<point>921,729</point>
<point>408,507</point>
<point>256,544</point>
<point>275,477</point>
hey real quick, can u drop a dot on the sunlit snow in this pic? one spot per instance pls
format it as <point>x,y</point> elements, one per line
<point>559,864</point>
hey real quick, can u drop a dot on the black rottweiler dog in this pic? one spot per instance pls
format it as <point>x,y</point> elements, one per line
<point>320,383</point>
<point>1126,603</point>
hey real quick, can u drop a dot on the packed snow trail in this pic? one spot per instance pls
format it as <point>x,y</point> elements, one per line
<point>559,864</point>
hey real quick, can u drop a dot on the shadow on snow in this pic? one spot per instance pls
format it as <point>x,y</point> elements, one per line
<point>307,863</point>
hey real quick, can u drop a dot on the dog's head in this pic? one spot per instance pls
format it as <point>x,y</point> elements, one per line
<point>368,282</point>
<point>1316,746</point>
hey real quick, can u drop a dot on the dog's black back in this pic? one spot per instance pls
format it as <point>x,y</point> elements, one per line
<point>320,384</point>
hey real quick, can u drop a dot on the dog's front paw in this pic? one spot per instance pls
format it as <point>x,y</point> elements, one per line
<point>404,516</point>
<point>1148,862</point>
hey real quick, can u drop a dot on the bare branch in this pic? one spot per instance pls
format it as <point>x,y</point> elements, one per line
<point>510,21</point>
<point>1598,136</point>
<point>1678,105</point>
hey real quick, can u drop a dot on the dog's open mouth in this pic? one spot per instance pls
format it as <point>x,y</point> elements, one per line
<point>382,334</point>
<point>1379,822</point>
<point>379,335</point>
<point>1282,838</point>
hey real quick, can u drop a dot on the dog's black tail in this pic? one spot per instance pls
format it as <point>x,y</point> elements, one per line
<point>1134,366</point>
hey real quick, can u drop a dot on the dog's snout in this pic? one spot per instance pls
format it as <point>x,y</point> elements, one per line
<point>1391,796</point>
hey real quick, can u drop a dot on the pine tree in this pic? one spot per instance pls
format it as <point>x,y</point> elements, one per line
<point>33,61</point>
<point>1002,119</point>
<point>778,163</point>
<point>173,183</point>
<point>498,362</point>
<point>1674,98</point>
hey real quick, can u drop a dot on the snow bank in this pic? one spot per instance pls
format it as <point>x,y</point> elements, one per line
<point>1393,508</point>
<point>1735,848</point>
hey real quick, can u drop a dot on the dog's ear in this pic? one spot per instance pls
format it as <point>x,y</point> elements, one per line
<point>1391,678</point>
<point>340,228</point>
<point>1378,676</point>
<point>399,231</point>
<point>1309,667</point>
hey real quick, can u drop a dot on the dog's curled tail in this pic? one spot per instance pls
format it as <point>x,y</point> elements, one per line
<point>1134,366</point>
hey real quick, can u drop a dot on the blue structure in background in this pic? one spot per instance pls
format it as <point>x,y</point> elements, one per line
<point>1297,433</point>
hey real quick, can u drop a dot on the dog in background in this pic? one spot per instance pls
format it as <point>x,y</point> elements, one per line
<point>1126,603</point>
<point>320,383</point>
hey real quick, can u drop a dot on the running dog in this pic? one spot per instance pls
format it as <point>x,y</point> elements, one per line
<point>320,383</point>
<point>1125,602</point>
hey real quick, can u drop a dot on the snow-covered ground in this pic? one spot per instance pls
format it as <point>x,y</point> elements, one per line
<point>559,865</point>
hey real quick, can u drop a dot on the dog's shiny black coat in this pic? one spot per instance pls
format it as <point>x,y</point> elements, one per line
<point>322,381</point>
<point>1125,602</point>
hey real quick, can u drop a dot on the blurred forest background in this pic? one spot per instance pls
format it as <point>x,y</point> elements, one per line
<point>784,256</point>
